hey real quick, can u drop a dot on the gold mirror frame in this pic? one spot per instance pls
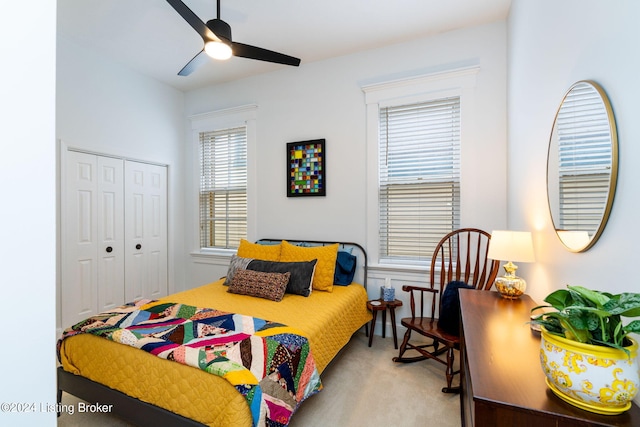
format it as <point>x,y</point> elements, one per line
<point>580,239</point>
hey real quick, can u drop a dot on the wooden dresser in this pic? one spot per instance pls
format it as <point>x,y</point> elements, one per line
<point>502,381</point>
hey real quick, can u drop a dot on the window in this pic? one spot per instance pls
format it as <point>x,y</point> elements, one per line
<point>419,177</point>
<point>223,187</point>
<point>420,130</point>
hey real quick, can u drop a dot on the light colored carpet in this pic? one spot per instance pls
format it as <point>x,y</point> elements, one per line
<point>362,386</point>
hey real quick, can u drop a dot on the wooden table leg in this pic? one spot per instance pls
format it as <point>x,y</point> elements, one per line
<point>373,325</point>
<point>384,322</point>
<point>392,312</point>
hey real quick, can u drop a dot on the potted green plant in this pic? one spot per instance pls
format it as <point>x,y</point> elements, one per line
<point>586,352</point>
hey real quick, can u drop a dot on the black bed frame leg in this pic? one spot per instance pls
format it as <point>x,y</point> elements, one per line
<point>59,400</point>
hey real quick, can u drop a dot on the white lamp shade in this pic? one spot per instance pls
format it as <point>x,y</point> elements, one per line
<point>511,246</point>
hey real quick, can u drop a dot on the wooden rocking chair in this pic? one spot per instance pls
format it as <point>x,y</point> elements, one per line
<point>460,256</point>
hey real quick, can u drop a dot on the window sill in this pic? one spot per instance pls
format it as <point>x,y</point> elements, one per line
<point>213,256</point>
<point>399,268</point>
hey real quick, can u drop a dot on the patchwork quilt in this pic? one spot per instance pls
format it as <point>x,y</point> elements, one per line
<point>270,364</point>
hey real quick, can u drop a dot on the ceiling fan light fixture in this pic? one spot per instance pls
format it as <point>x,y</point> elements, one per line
<point>218,44</point>
<point>218,50</point>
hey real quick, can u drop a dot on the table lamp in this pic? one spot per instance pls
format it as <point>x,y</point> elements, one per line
<point>511,246</point>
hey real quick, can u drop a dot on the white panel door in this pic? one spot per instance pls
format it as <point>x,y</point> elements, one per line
<point>110,233</point>
<point>93,246</point>
<point>156,240</point>
<point>145,231</point>
<point>79,285</point>
<point>114,234</point>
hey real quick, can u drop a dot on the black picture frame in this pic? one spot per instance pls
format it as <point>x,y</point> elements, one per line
<point>306,168</point>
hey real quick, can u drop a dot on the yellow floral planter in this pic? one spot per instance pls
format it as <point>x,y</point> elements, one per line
<point>598,379</point>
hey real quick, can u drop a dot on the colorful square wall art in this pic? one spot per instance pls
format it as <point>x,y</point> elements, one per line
<point>306,168</point>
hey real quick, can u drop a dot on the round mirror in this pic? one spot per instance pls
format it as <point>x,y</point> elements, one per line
<point>582,166</point>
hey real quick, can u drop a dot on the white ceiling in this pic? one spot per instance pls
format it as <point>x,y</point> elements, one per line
<point>149,36</point>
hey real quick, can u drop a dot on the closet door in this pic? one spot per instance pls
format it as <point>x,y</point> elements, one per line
<point>145,231</point>
<point>110,233</point>
<point>92,240</point>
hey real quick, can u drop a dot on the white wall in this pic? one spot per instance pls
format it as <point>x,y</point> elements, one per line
<point>325,100</point>
<point>27,217</point>
<point>553,44</point>
<point>106,108</point>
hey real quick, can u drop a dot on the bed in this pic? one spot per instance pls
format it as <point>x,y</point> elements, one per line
<point>150,390</point>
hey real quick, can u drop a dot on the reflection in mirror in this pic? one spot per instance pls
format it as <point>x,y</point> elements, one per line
<point>582,166</point>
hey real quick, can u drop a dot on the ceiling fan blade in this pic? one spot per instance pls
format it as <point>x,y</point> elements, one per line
<point>252,52</point>
<point>193,20</point>
<point>195,62</point>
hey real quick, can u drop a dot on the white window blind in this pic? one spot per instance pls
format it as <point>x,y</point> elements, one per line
<point>584,141</point>
<point>419,177</point>
<point>223,188</point>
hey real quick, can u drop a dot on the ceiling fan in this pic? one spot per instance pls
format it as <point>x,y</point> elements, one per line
<point>218,44</point>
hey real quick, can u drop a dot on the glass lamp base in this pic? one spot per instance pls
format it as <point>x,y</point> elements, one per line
<point>510,287</point>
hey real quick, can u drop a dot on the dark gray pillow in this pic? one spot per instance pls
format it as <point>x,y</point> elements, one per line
<point>301,273</point>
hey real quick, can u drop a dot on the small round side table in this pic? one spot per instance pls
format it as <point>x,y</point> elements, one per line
<point>377,305</point>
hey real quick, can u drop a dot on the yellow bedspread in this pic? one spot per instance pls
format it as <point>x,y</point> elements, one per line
<point>327,319</point>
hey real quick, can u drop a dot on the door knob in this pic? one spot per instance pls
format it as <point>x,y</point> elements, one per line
<point>109,249</point>
<point>138,246</point>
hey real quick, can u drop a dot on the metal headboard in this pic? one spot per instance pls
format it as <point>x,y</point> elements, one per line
<point>365,264</point>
